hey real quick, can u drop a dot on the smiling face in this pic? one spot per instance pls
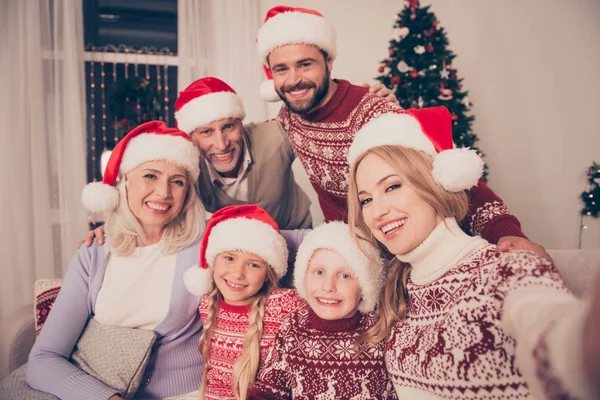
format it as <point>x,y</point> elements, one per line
<point>156,191</point>
<point>391,208</point>
<point>332,289</point>
<point>301,76</point>
<point>239,276</point>
<point>221,143</point>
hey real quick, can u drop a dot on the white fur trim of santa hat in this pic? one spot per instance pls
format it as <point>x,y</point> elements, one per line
<point>99,197</point>
<point>366,263</point>
<point>208,108</point>
<point>198,281</point>
<point>249,235</point>
<point>151,147</point>
<point>293,27</point>
<point>454,169</point>
<point>268,92</point>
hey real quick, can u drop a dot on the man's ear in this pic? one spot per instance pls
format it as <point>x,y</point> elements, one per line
<point>329,63</point>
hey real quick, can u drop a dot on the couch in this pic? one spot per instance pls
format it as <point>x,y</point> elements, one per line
<point>17,333</point>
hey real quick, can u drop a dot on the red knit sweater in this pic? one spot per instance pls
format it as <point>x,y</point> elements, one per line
<point>321,140</point>
<point>228,337</point>
<point>315,358</point>
<point>469,306</point>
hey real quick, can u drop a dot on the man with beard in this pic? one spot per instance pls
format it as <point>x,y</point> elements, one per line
<point>321,116</point>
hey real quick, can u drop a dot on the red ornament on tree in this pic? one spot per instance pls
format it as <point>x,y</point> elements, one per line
<point>395,80</point>
<point>430,48</point>
<point>454,117</point>
<point>380,69</point>
<point>391,53</point>
<point>414,74</point>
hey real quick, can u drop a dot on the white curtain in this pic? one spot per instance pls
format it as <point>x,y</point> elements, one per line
<point>42,143</point>
<point>217,38</point>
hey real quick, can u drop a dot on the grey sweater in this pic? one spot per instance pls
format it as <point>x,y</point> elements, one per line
<point>175,364</point>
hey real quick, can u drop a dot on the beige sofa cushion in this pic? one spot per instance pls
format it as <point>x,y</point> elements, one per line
<point>578,268</point>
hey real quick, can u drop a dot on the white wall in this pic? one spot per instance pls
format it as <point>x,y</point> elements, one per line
<point>531,70</point>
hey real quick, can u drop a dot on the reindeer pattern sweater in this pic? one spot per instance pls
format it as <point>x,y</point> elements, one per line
<point>483,324</point>
<point>316,359</point>
<point>228,337</point>
<point>321,140</point>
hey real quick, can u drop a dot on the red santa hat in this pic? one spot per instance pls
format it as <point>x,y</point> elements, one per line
<point>206,100</point>
<point>364,260</point>
<point>151,141</point>
<point>246,228</point>
<point>430,131</point>
<point>292,25</point>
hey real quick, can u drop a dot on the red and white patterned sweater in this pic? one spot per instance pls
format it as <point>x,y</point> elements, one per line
<point>479,322</point>
<point>228,337</point>
<point>315,358</point>
<point>321,140</point>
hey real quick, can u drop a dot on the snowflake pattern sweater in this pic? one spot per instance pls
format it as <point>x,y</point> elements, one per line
<point>315,358</point>
<point>483,324</point>
<point>321,141</point>
<point>228,337</point>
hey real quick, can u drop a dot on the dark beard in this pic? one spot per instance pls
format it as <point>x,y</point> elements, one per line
<point>305,106</point>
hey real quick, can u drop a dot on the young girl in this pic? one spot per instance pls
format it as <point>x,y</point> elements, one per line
<point>242,258</point>
<point>464,320</point>
<point>316,353</point>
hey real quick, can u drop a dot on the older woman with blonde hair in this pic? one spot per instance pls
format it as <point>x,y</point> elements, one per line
<point>461,319</point>
<point>135,281</point>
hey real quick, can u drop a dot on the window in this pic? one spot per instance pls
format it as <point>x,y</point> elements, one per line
<point>130,69</point>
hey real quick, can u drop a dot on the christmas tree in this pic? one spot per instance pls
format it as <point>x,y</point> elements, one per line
<point>419,70</point>
<point>591,196</point>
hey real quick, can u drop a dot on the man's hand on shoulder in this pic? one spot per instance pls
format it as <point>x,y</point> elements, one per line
<point>381,91</point>
<point>508,243</point>
<point>97,233</point>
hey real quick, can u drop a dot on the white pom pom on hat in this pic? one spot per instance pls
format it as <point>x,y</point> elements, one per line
<point>428,130</point>
<point>151,141</point>
<point>267,88</point>
<point>246,228</point>
<point>292,25</point>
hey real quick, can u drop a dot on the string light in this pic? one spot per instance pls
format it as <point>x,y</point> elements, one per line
<point>138,107</point>
<point>93,117</point>
<point>166,98</point>
<point>109,78</point>
<point>158,83</point>
<point>103,100</point>
<point>116,131</point>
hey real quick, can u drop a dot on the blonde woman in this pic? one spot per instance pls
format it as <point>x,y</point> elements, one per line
<point>463,320</point>
<point>242,257</point>
<point>154,222</point>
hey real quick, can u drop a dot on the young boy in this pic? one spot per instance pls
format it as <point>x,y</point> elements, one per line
<point>317,353</point>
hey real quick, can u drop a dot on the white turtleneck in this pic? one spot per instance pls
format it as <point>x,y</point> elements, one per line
<point>443,249</point>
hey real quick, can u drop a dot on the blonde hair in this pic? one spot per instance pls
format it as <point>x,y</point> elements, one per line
<point>246,367</point>
<point>414,169</point>
<point>123,229</point>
